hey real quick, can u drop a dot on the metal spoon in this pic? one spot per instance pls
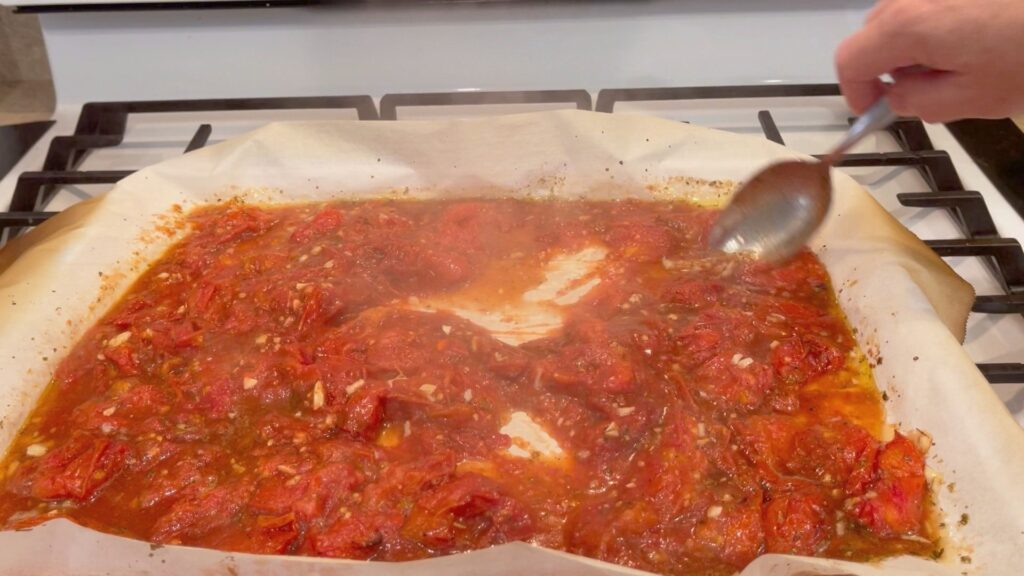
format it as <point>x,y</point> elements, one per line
<point>774,213</point>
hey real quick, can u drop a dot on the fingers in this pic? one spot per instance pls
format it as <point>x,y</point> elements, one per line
<point>936,96</point>
<point>865,56</point>
<point>881,46</point>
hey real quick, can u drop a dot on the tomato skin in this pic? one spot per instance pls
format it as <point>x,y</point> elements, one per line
<point>187,473</point>
<point>796,522</point>
<point>239,222</point>
<point>356,538</point>
<point>324,222</point>
<point>698,345</point>
<point>273,534</point>
<point>894,502</point>
<point>193,516</point>
<point>735,536</point>
<point>733,387</point>
<point>75,470</point>
<point>838,452</point>
<point>468,511</point>
<point>694,294</point>
<point>767,440</point>
<point>597,362</point>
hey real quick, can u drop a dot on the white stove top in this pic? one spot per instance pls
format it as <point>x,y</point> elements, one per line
<point>808,124</point>
<point>428,47</point>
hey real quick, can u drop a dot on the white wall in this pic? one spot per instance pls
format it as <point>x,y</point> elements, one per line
<point>312,51</point>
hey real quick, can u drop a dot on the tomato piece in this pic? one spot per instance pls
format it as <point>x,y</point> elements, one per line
<point>796,522</point>
<point>698,345</point>
<point>611,531</point>
<point>694,294</point>
<point>731,533</point>
<point>837,453</point>
<point>894,503</point>
<point>191,472</point>
<point>364,413</point>
<point>124,358</point>
<point>132,312</point>
<point>273,534</point>
<point>357,537</point>
<point>798,359</point>
<point>239,222</point>
<point>466,513</point>
<point>75,470</point>
<point>591,360</point>
<point>306,495</point>
<point>193,516</point>
<point>767,440</point>
<point>733,386</point>
<point>325,221</point>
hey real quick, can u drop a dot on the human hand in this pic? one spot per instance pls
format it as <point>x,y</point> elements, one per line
<point>949,59</point>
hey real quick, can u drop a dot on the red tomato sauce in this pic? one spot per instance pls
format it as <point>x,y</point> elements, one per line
<point>265,387</point>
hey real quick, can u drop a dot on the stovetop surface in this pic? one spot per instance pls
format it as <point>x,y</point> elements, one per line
<point>919,173</point>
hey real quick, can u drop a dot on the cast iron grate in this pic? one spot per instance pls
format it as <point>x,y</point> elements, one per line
<point>103,125</point>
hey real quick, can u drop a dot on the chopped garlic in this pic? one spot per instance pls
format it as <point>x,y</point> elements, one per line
<point>354,386</point>
<point>318,395</point>
<point>119,339</point>
<point>286,469</point>
<point>774,344</point>
<point>467,395</point>
<point>702,430</point>
<point>714,511</point>
<point>736,358</point>
<point>446,329</point>
<point>35,450</point>
<point>329,264</point>
<point>316,250</point>
<point>922,440</point>
<point>261,339</point>
<point>625,410</point>
<point>745,362</point>
<point>163,275</point>
<point>109,411</point>
<point>249,383</point>
<point>428,389</point>
<point>407,429</point>
<point>612,430</point>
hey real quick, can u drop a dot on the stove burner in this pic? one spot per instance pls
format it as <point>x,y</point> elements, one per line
<point>102,124</point>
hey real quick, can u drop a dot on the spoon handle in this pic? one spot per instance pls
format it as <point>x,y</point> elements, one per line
<point>879,116</point>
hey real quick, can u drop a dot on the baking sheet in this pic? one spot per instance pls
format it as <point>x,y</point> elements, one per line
<point>908,308</point>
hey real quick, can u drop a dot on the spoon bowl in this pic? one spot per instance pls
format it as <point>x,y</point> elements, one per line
<point>772,215</point>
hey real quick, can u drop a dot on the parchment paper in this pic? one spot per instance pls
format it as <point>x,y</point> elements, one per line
<point>908,308</point>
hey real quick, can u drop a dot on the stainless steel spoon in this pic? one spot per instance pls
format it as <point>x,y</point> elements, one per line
<point>775,212</point>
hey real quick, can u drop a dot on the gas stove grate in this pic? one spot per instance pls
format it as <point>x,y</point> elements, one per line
<point>103,125</point>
